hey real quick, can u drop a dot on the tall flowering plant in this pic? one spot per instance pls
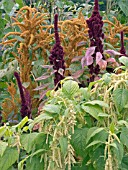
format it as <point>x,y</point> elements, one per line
<point>57,55</point>
<point>94,57</point>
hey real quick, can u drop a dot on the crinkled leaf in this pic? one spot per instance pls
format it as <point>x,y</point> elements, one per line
<point>70,88</point>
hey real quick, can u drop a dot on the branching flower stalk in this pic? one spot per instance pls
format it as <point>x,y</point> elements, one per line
<point>57,55</point>
<point>25,98</point>
<point>96,36</point>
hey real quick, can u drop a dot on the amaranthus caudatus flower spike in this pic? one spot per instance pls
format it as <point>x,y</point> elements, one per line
<point>57,55</point>
<point>25,98</point>
<point>122,50</point>
<point>95,25</point>
<point>96,36</point>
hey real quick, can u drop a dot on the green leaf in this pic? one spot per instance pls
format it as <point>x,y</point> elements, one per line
<point>93,143</point>
<point>120,97</point>
<point>78,141</point>
<point>103,115</point>
<point>9,158</point>
<point>98,102</point>
<point>85,93</point>
<point>107,78</point>
<point>93,110</point>
<point>8,7</point>
<point>118,151</point>
<point>70,88</point>
<point>92,132</point>
<point>3,146</point>
<point>41,145</point>
<point>124,60</point>
<point>22,123</point>
<point>42,116</point>
<point>3,72</point>
<point>2,131</point>
<point>124,163</point>
<point>27,141</point>
<point>52,108</point>
<point>124,6</point>
<point>112,127</point>
<point>124,136</point>
<point>34,163</point>
<point>63,145</point>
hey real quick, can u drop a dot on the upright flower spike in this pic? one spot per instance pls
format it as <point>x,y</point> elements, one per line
<point>96,36</point>
<point>122,50</point>
<point>25,98</point>
<point>57,55</point>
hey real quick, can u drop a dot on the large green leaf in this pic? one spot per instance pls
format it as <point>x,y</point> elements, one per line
<point>93,110</point>
<point>27,141</point>
<point>3,146</point>
<point>70,88</point>
<point>120,97</point>
<point>124,136</point>
<point>78,141</point>
<point>9,158</point>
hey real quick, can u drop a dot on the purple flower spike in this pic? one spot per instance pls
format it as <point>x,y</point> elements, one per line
<point>122,50</point>
<point>96,36</point>
<point>57,55</point>
<point>25,98</point>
